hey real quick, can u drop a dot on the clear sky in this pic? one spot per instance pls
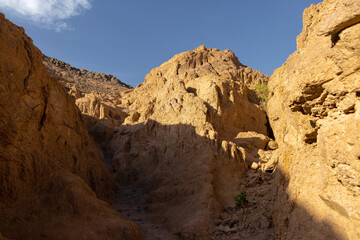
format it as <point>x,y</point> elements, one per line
<point>127,38</point>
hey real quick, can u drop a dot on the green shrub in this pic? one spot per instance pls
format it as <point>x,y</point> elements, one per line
<point>177,234</point>
<point>262,91</point>
<point>241,199</point>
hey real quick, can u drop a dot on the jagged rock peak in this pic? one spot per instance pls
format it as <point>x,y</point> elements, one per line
<point>205,76</point>
<point>204,61</point>
<point>188,126</point>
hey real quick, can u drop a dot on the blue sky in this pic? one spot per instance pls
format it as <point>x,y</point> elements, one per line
<point>127,38</point>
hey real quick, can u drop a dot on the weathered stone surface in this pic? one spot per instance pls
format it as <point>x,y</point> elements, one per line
<point>187,135</point>
<point>272,145</point>
<point>314,112</point>
<point>254,165</point>
<point>65,209</point>
<point>252,220</point>
<point>179,140</point>
<point>86,81</point>
<point>96,94</point>
<point>47,159</point>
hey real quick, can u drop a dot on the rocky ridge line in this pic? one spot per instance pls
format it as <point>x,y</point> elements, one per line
<point>85,81</point>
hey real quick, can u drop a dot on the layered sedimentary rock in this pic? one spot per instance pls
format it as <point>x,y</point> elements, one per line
<point>314,111</point>
<point>51,171</point>
<point>189,136</point>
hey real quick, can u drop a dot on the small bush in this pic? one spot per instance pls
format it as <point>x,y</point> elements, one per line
<point>177,234</point>
<point>262,91</point>
<point>241,199</point>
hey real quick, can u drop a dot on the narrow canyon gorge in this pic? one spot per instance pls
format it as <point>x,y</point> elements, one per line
<point>204,148</point>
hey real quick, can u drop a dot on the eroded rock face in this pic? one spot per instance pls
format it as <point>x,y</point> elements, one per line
<point>86,81</point>
<point>48,162</point>
<point>315,114</point>
<point>96,94</point>
<point>188,138</point>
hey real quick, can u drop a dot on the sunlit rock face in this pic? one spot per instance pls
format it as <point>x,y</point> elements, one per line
<point>51,171</point>
<point>314,110</point>
<point>188,136</point>
<point>192,135</point>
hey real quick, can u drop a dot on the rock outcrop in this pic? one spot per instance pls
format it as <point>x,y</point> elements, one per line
<point>189,136</point>
<point>202,98</point>
<point>185,142</point>
<point>96,94</point>
<point>314,110</point>
<point>51,171</point>
<point>84,80</point>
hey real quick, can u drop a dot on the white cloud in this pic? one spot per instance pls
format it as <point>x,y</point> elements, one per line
<point>48,13</point>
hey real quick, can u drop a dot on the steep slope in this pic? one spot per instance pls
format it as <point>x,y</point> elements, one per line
<point>48,162</point>
<point>84,80</point>
<point>189,136</point>
<point>202,98</point>
<point>96,94</point>
<point>314,112</point>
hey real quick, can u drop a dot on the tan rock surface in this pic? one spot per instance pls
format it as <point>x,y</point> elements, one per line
<point>252,221</point>
<point>65,209</point>
<point>314,112</point>
<point>96,94</point>
<point>186,141</point>
<point>47,159</point>
<point>179,140</point>
<point>84,80</point>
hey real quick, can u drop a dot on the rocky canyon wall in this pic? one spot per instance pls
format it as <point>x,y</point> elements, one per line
<point>189,136</point>
<point>314,110</point>
<point>51,171</point>
<point>186,135</point>
<point>192,136</point>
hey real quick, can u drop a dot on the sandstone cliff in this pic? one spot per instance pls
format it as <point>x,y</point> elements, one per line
<point>314,110</point>
<point>189,136</point>
<point>96,94</point>
<point>185,142</point>
<point>51,171</point>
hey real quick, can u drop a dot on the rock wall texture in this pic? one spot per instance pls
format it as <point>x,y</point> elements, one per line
<point>51,171</point>
<point>314,110</point>
<point>84,80</point>
<point>96,94</point>
<point>189,135</point>
<point>186,138</point>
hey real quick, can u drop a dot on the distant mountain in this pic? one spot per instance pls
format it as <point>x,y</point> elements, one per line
<point>84,80</point>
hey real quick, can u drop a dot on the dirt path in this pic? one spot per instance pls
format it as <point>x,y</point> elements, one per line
<point>131,204</point>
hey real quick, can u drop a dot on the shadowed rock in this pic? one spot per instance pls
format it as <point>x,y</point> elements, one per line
<point>51,171</point>
<point>179,140</point>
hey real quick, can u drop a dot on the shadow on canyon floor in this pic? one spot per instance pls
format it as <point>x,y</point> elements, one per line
<point>190,178</point>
